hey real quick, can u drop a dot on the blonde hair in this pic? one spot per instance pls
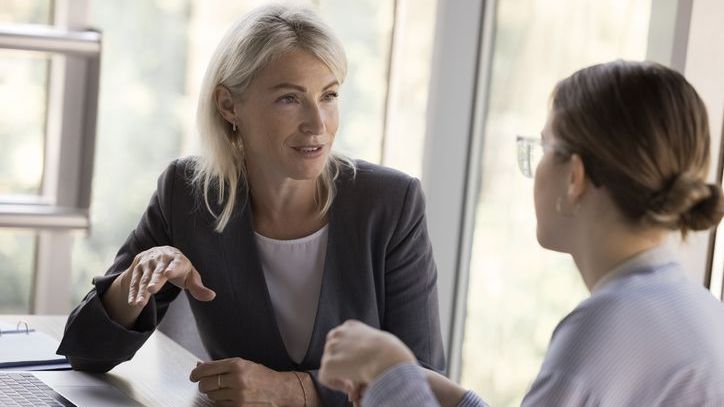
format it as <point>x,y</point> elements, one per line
<point>251,43</point>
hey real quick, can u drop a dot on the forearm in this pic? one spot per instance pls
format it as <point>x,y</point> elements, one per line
<point>115,302</point>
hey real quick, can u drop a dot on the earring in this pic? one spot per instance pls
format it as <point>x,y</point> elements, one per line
<point>233,127</point>
<point>561,211</point>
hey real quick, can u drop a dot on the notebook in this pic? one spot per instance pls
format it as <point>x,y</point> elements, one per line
<point>21,346</point>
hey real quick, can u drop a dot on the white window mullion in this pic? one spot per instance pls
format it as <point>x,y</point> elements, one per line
<point>452,151</point>
<point>70,142</point>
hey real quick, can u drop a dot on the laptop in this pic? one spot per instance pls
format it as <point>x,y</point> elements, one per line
<point>59,389</point>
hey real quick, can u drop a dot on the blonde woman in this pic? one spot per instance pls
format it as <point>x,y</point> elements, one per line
<point>274,237</point>
<point>625,153</point>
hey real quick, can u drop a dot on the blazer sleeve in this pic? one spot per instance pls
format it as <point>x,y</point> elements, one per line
<point>92,340</point>
<point>411,304</point>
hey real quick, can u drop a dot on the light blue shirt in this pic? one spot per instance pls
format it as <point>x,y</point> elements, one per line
<point>647,336</point>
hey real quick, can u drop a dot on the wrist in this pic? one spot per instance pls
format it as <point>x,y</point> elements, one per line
<point>393,352</point>
<point>447,392</point>
<point>302,391</point>
<point>303,401</point>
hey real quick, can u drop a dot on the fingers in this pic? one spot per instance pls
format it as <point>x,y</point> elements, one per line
<point>196,287</point>
<point>149,273</point>
<point>356,394</point>
<point>215,382</point>
<point>156,266</point>
<point>181,273</point>
<point>345,386</point>
<point>158,278</point>
<point>213,368</point>
<point>222,395</point>
<point>133,289</point>
<point>236,397</point>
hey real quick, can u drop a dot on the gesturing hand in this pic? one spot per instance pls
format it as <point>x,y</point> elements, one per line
<point>152,268</point>
<point>239,382</point>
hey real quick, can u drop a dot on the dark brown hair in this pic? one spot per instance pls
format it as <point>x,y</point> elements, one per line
<point>642,133</point>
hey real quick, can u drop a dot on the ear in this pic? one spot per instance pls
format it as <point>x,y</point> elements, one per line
<point>577,178</point>
<point>225,103</point>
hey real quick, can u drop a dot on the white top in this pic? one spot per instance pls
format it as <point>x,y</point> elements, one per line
<point>293,273</point>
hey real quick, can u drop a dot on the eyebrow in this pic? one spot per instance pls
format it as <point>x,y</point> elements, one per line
<point>287,85</point>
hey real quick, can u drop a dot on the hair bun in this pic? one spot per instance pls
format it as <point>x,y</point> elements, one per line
<point>686,203</point>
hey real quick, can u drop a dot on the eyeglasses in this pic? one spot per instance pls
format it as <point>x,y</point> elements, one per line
<point>530,152</point>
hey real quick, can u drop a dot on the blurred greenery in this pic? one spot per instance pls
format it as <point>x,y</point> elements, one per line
<point>17,253</point>
<point>140,120</point>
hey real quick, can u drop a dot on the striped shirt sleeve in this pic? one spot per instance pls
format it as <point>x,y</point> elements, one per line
<point>470,399</point>
<point>406,385</point>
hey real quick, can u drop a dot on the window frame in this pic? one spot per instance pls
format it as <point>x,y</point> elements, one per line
<point>71,127</point>
<point>72,103</point>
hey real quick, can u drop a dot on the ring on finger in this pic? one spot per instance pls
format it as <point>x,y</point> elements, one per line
<point>218,381</point>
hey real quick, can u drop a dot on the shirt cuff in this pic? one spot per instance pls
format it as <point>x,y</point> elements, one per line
<point>471,399</point>
<point>402,385</point>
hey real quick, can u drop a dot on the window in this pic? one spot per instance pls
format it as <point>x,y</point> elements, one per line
<point>48,87</point>
<point>20,157</point>
<point>532,50</point>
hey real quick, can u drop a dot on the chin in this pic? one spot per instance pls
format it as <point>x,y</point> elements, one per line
<point>307,173</point>
<point>549,241</point>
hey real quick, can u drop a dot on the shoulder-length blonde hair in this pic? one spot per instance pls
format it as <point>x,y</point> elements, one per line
<point>251,43</point>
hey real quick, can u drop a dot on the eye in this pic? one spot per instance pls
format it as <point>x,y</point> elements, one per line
<point>331,96</point>
<point>287,99</point>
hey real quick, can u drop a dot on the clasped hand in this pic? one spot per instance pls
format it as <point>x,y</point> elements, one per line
<point>355,354</point>
<point>239,382</point>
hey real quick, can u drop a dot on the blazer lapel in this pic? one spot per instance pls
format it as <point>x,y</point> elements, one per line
<point>257,338</point>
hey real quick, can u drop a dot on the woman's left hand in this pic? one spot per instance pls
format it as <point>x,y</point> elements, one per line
<point>239,382</point>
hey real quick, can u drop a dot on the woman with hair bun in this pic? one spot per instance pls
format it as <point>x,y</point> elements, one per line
<point>274,238</point>
<point>625,154</point>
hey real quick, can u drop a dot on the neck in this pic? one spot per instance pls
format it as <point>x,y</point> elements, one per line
<point>283,208</point>
<point>600,251</point>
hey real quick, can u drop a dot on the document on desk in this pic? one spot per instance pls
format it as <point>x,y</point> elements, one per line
<point>23,347</point>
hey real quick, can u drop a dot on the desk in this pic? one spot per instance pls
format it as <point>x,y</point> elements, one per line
<point>158,375</point>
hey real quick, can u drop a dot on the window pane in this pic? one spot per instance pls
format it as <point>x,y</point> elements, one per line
<point>23,92</point>
<point>141,120</point>
<point>364,27</point>
<point>407,103</point>
<point>517,291</point>
<point>25,11</point>
<point>17,261</point>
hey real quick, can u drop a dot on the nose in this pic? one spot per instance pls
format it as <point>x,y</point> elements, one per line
<point>313,123</point>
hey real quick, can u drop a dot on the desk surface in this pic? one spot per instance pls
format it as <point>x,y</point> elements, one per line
<point>158,375</point>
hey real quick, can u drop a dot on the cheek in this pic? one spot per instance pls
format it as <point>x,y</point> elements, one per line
<point>331,119</point>
<point>538,187</point>
<point>543,201</point>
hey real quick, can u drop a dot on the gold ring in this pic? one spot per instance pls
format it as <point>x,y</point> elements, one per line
<point>218,381</point>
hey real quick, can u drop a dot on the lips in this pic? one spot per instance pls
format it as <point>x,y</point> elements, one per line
<point>309,148</point>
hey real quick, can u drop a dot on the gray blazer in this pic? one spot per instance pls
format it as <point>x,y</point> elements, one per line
<point>378,269</point>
